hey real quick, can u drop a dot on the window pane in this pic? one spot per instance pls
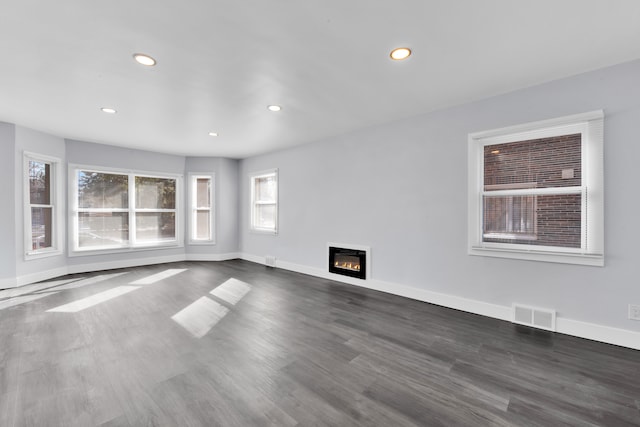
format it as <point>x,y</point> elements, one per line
<point>155,226</point>
<point>537,163</point>
<point>203,222</point>
<point>265,216</point>
<point>203,187</point>
<point>41,228</point>
<point>39,183</point>
<point>533,220</point>
<point>155,193</point>
<point>102,190</point>
<point>265,189</point>
<point>102,229</point>
<point>509,215</point>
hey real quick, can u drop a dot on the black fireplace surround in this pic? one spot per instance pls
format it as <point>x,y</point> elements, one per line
<point>348,262</point>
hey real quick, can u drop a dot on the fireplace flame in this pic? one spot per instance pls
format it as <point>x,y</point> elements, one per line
<point>347,265</point>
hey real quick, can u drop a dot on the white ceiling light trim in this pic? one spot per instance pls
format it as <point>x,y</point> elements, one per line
<point>274,108</point>
<point>400,53</point>
<point>108,110</point>
<point>144,59</point>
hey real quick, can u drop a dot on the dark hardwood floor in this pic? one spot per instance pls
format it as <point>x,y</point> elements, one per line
<point>276,348</point>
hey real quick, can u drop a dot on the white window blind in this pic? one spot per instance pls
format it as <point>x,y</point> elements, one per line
<point>536,191</point>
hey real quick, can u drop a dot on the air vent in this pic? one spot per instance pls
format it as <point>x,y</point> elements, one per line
<point>270,261</point>
<point>535,317</point>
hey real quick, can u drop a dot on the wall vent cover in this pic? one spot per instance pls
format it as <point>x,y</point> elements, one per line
<point>540,318</point>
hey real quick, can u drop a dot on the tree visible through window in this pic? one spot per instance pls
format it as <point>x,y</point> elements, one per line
<point>41,204</point>
<point>116,210</point>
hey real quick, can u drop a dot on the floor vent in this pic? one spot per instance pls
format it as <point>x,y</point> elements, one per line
<point>270,261</point>
<point>535,317</point>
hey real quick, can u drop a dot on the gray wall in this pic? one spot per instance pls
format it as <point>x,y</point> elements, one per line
<point>401,188</point>
<point>7,213</point>
<point>226,207</point>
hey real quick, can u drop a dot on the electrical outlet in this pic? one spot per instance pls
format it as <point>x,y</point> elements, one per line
<point>634,311</point>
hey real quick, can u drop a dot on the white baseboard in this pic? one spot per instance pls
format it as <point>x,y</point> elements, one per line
<point>40,276</point>
<point>112,265</point>
<point>592,331</point>
<point>259,260</point>
<point>212,257</point>
<point>606,334</point>
<point>8,283</point>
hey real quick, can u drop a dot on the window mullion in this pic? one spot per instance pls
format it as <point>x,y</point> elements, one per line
<point>551,191</point>
<point>132,209</point>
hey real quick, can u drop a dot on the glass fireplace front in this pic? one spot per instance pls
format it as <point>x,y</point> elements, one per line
<point>348,262</point>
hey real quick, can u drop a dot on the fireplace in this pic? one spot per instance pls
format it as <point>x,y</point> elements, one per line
<point>348,262</point>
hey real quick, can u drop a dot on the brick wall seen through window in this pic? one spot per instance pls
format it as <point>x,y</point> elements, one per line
<point>545,220</point>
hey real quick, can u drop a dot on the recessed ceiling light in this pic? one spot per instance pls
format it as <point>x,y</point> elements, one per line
<point>213,133</point>
<point>274,108</point>
<point>143,59</point>
<point>400,53</point>
<point>108,110</point>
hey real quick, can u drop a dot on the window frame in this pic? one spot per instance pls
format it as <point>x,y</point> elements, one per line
<point>252,220</point>
<point>55,197</point>
<point>591,127</point>
<point>132,245</point>
<point>193,208</point>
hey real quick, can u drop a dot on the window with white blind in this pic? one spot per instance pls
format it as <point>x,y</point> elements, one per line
<point>115,210</point>
<point>264,201</point>
<point>202,208</point>
<point>536,191</point>
<point>42,210</point>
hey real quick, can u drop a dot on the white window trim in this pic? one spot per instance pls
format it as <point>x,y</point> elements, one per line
<point>192,208</point>
<point>252,177</point>
<point>131,247</point>
<point>56,196</point>
<point>591,125</point>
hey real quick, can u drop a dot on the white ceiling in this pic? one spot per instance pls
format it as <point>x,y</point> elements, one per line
<point>221,62</point>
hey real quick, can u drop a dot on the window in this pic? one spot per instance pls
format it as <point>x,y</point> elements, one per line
<point>264,201</point>
<point>42,216</point>
<point>201,201</point>
<point>536,191</point>
<point>119,210</point>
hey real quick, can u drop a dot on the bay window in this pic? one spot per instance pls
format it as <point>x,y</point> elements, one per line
<point>114,210</point>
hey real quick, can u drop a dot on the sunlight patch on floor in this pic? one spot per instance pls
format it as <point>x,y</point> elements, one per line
<point>158,276</point>
<point>12,302</point>
<point>231,291</point>
<point>199,317</point>
<point>92,300</point>
<point>84,282</point>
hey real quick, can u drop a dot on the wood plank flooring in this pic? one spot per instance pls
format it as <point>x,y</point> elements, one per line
<point>276,348</point>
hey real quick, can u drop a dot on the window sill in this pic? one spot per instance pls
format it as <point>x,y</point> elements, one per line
<point>202,243</point>
<point>530,255</point>
<point>32,255</point>
<point>263,231</point>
